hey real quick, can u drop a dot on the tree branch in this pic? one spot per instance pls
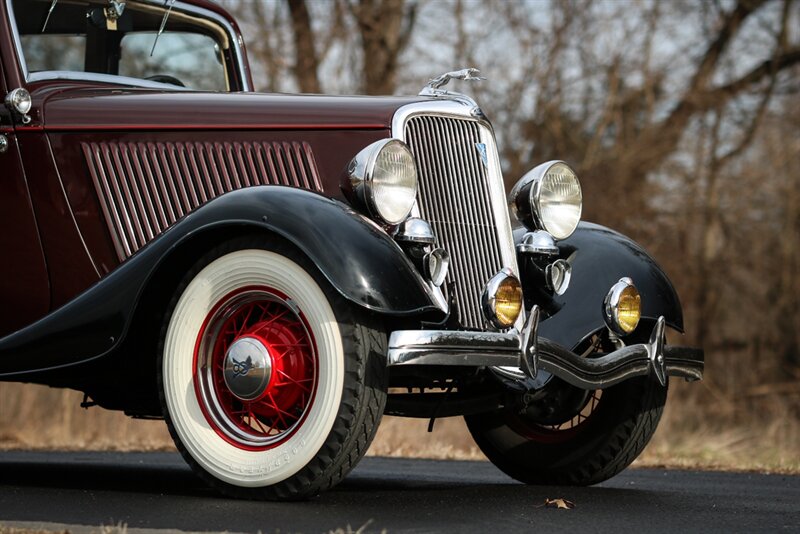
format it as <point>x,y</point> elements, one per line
<point>306,62</point>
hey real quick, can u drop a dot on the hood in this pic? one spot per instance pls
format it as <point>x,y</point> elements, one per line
<point>92,108</point>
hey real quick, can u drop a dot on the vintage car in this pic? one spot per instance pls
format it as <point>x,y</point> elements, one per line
<point>270,274</point>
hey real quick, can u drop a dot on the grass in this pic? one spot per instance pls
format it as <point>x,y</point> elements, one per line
<point>699,430</point>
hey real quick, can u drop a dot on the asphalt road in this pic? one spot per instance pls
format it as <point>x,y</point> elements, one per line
<point>158,491</point>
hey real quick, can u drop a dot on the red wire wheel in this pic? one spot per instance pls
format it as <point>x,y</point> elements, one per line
<point>557,433</point>
<point>255,368</point>
<point>561,439</point>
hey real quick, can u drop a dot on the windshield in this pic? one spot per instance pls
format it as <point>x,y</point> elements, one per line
<point>89,37</point>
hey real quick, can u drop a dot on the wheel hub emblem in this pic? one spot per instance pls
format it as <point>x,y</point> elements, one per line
<point>242,368</point>
<point>247,368</point>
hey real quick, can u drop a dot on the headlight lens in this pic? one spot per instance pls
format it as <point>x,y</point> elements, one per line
<point>549,198</point>
<point>383,178</point>
<point>559,201</point>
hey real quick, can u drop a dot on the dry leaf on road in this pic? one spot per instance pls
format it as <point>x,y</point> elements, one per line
<point>559,503</point>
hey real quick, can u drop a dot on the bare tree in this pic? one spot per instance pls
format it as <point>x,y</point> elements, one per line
<point>306,62</point>
<point>385,27</point>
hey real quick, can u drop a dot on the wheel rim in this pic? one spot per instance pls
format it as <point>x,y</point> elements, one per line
<point>561,432</point>
<point>567,430</point>
<point>255,371</point>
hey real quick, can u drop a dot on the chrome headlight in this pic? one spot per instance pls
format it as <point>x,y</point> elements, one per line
<point>549,198</point>
<point>383,179</point>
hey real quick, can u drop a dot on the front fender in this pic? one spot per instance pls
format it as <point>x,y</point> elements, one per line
<point>358,258</point>
<point>600,257</point>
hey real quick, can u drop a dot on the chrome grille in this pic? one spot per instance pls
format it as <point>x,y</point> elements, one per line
<point>455,197</point>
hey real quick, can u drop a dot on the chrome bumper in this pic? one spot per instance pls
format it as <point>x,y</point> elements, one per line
<point>524,349</point>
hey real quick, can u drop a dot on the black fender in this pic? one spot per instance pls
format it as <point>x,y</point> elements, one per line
<point>358,258</point>
<point>599,257</point>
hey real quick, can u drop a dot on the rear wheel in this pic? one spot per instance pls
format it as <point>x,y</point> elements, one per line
<point>598,435</point>
<point>272,384</point>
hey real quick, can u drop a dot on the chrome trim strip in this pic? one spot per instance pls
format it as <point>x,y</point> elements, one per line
<point>460,108</point>
<point>179,6</point>
<point>492,349</point>
<point>17,42</point>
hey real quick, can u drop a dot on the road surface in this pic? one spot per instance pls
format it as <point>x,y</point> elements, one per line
<point>157,491</point>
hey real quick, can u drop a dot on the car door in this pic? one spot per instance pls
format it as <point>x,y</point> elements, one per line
<point>24,286</point>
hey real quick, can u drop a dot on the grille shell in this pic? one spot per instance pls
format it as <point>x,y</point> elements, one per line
<point>459,194</point>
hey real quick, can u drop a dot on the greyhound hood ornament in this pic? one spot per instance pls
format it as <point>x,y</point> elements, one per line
<point>434,87</point>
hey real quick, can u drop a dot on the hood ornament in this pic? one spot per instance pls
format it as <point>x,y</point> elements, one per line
<point>468,75</point>
<point>434,87</point>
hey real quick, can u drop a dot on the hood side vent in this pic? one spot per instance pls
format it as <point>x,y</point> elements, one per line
<point>144,188</point>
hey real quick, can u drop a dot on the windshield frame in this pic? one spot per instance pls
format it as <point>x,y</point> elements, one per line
<point>240,77</point>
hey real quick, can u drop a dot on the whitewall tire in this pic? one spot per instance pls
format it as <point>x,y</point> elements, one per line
<point>257,356</point>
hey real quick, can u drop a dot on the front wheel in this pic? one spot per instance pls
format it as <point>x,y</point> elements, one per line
<point>594,439</point>
<point>272,384</point>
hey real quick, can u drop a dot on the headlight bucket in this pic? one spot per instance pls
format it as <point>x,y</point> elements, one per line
<point>382,180</point>
<point>549,198</point>
<point>622,307</point>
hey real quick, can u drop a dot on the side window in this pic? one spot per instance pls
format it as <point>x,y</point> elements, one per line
<point>54,52</point>
<point>191,58</point>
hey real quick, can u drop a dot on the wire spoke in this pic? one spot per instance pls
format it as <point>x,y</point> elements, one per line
<point>298,382</point>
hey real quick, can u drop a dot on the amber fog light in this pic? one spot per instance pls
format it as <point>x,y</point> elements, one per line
<point>623,307</point>
<point>502,299</point>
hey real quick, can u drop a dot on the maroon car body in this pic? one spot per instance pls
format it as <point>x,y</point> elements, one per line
<point>118,193</point>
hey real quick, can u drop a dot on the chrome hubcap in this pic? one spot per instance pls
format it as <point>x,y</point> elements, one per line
<point>247,368</point>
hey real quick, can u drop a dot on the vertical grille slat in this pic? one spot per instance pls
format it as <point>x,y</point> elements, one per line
<point>144,187</point>
<point>478,272</point>
<point>455,198</point>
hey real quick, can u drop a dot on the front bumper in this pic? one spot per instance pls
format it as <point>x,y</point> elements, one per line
<point>524,350</point>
